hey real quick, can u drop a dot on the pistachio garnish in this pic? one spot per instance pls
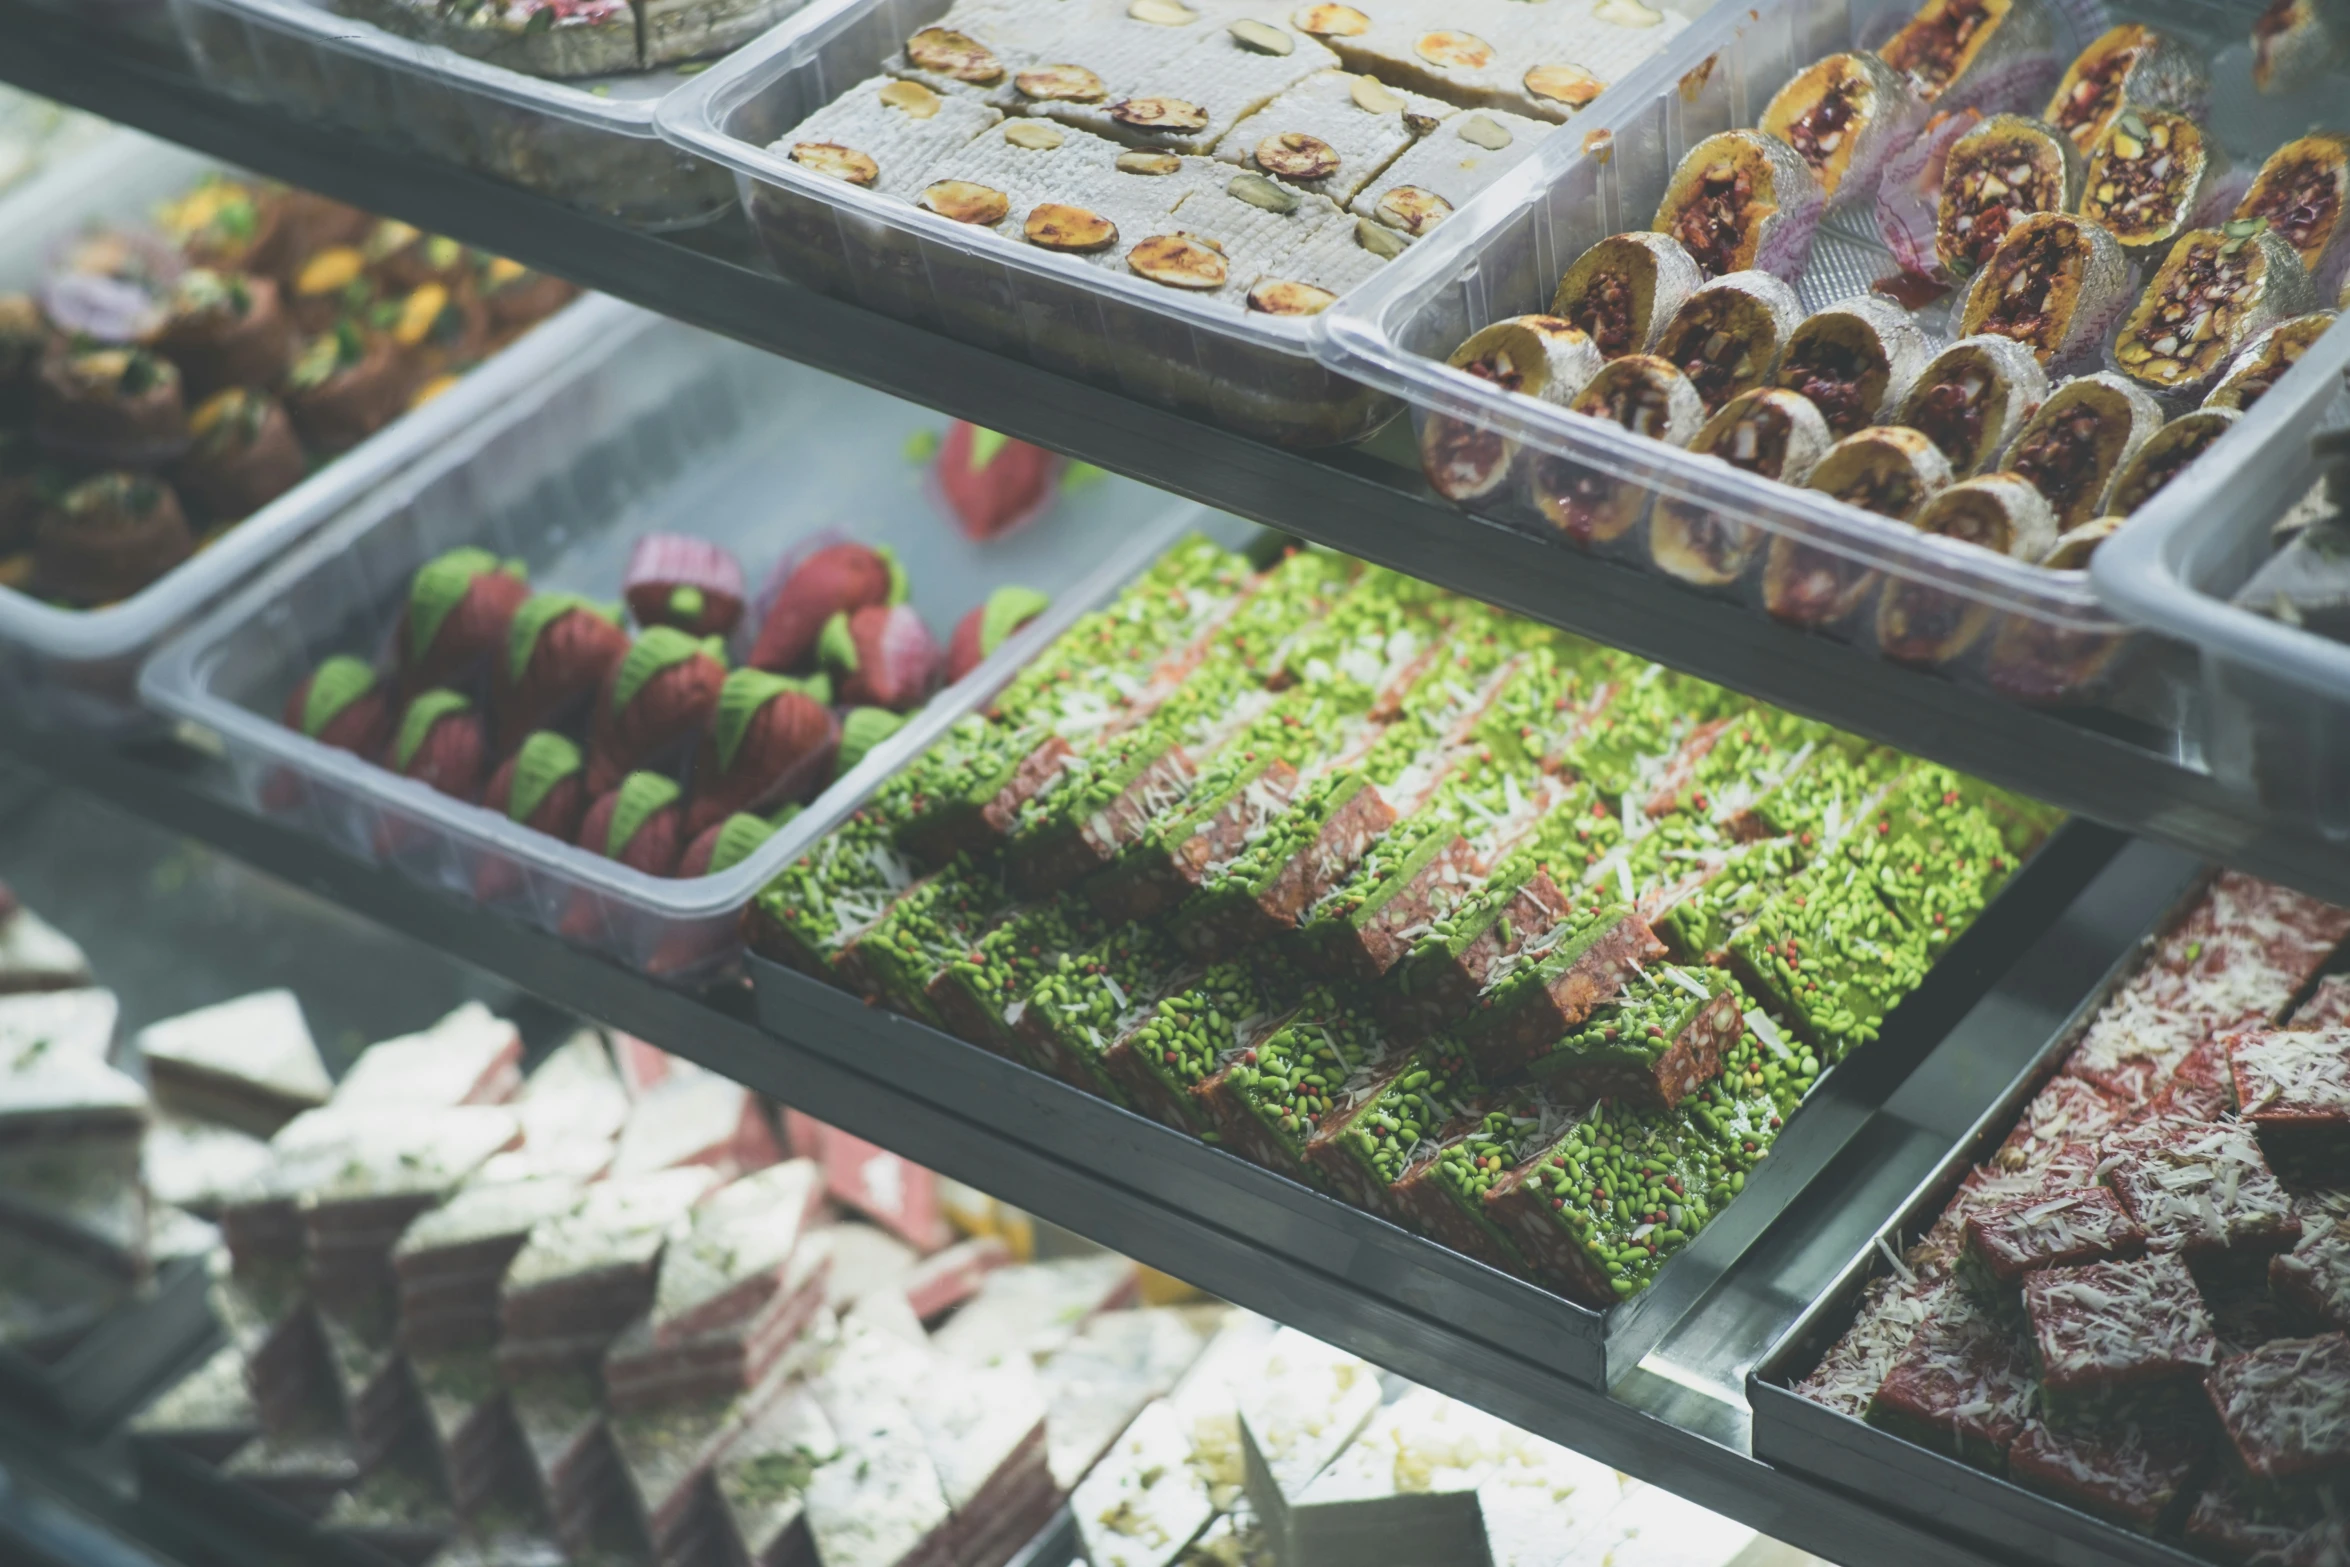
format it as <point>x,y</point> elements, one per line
<point>1419,124</point>
<point>1454,51</point>
<point>1259,191</point>
<point>1384,243</point>
<point>911,98</point>
<point>1055,226</point>
<point>1060,84</point>
<point>1281,297</point>
<point>1568,84</point>
<point>956,55</point>
<point>1148,163</point>
<point>842,163</point>
<point>1332,21</point>
<point>1412,209</point>
<point>1162,13</point>
<point>966,202</point>
<point>1179,261</point>
<point>1035,135</point>
<point>1160,113</point>
<point>1480,130</point>
<point>1297,155</point>
<point>1373,96</point>
<point>1263,37</point>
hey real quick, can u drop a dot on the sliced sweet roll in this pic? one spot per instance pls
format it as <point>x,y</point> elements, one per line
<point>1855,360</point>
<point>1845,116</point>
<point>2127,66</point>
<point>2303,193</point>
<point>2174,447</point>
<point>2151,178</point>
<point>2266,359</point>
<point>1642,394</point>
<point>2216,291</point>
<point>1541,357</point>
<point>1972,399</point>
<point>1740,201</point>
<point>2085,433</point>
<point>1922,623</point>
<point>1888,470</point>
<point>1997,175</point>
<point>1726,336</point>
<point>1777,434</point>
<point>1623,290</point>
<point>1988,54</point>
<point>2055,284</point>
<point>2294,42</point>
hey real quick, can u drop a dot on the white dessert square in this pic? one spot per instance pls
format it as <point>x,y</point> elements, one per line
<point>1185,100</point>
<point>1448,167</point>
<point>1357,126</point>
<point>884,134</point>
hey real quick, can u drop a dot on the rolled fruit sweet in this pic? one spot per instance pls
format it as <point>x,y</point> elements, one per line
<point>1644,395</point>
<point>1854,360</point>
<point>1542,357</point>
<point>1889,470</point>
<point>2265,359</point>
<point>2129,65</point>
<point>2087,431</point>
<point>2046,662</point>
<point>2303,190</point>
<point>2216,291</point>
<point>2166,456</point>
<point>1623,290</point>
<point>1727,335</point>
<point>1999,512</point>
<point>1740,201</point>
<point>1777,434</point>
<point>1845,116</point>
<point>2152,176</point>
<point>1989,54</point>
<point>1972,399</point>
<point>1996,175</point>
<point>2054,284</point>
<point>2295,41</point>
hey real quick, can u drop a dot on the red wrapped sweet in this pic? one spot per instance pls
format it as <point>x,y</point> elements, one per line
<point>982,630</point>
<point>460,607</point>
<point>559,650</point>
<point>992,483</point>
<point>836,580</point>
<point>675,579</point>
<point>441,742</point>
<point>660,694</point>
<point>637,824</point>
<point>342,703</point>
<point>881,656</point>
<point>724,845</point>
<point>543,785</point>
<point>771,742</point>
<point>2286,1406</point>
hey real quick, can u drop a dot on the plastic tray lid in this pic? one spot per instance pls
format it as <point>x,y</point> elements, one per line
<point>2171,568</point>
<point>731,113</point>
<point>180,678</point>
<point>1394,331</point>
<point>31,221</point>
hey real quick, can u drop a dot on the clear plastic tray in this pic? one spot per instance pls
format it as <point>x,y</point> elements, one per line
<point>653,427</point>
<point>2045,637</point>
<point>587,144</point>
<point>78,667</point>
<point>1250,372</point>
<point>2275,698</point>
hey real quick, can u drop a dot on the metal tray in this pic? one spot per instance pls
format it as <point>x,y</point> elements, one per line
<point>122,1359</point>
<point>1792,1432</point>
<point>79,667</point>
<point>2049,638</point>
<point>1252,372</point>
<point>1590,1347</point>
<point>655,426</point>
<point>587,144</point>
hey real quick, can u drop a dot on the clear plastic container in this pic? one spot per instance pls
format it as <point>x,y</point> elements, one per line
<point>587,144</point>
<point>2035,636</point>
<point>79,667</point>
<point>1250,372</point>
<point>2275,706</point>
<point>655,427</point>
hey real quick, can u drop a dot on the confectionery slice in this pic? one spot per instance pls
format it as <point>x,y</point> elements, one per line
<point>304,1470</point>
<point>1331,133</point>
<point>2129,64</point>
<point>2066,1110</point>
<point>1831,959</point>
<point>470,1057</point>
<point>1145,1501</point>
<point>762,1481</point>
<point>1539,1495</point>
<point>2199,1187</point>
<point>1079,1010</point>
<point>1891,1312</point>
<point>391,1168</point>
<point>2294,1087</point>
<point>2114,1325</point>
<point>1956,54</point>
<point>2246,949</point>
<point>696,1118</point>
<point>2054,284</point>
<point>249,1062</point>
<point>1622,291</point>
<point>1318,1067</point>
<point>1368,1140</point>
<point>1446,168</point>
<point>1408,1487</point>
<point>1304,1402</point>
<point>2172,452</point>
<point>1741,201</point>
<point>1844,115</point>
<point>884,135</point>
<point>2006,1245</point>
<point>1096,1384</point>
<point>1553,982</point>
<point>981,994</point>
<point>2136,1042</point>
<point>561,1421</point>
<point>1470,940</point>
<point>1025,1312</point>
<point>2314,1277</point>
<point>36,955</point>
<point>2286,1406</point>
<point>2137,1473</point>
<point>2267,359</point>
<point>1163,1063</point>
<point>1655,1044</point>
<point>2244,277</point>
<point>1444,1189</point>
<point>584,1276</point>
<point>449,1262</point>
<point>1963,1385</point>
<point>398,1509</point>
<point>881,1502</point>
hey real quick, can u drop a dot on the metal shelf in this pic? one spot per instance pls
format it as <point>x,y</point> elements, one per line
<point>1363,500</point>
<point>1678,1419</point>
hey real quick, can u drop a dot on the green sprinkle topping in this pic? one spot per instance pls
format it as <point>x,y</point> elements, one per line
<point>339,682</point>
<point>426,711</point>
<point>544,761</point>
<point>642,796</point>
<point>736,839</point>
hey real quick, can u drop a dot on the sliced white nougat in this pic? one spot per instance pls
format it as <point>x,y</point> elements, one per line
<point>1185,100</point>
<point>1331,133</point>
<point>976,49</point>
<point>1309,278</point>
<point>1302,1407</point>
<point>1027,162</point>
<point>1249,221</point>
<point>1146,1500</point>
<point>1443,170</point>
<point>897,128</point>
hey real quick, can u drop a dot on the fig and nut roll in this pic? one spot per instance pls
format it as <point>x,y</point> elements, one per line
<point>2129,65</point>
<point>1727,335</point>
<point>1742,201</point>
<point>2153,176</point>
<point>1623,290</point>
<point>2166,456</point>
<point>1997,175</point>
<point>1642,394</point>
<point>2087,431</point>
<point>1845,115</point>
<point>1542,357</point>
<point>2266,359</point>
<point>1855,360</point>
<point>1776,434</point>
<point>1988,54</point>
<point>1888,470</point>
<point>2216,291</point>
<point>1972,399</point>
<point>2055,284</point>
